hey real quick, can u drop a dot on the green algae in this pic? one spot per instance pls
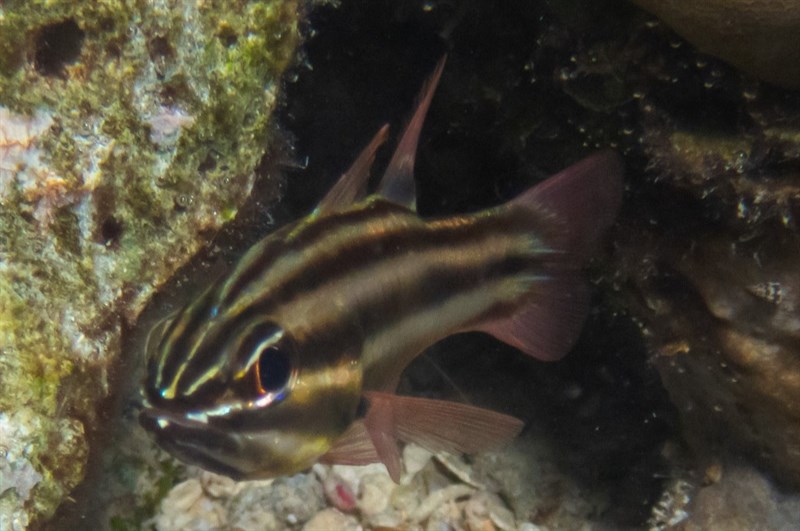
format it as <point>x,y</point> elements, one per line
<point>105,205</point>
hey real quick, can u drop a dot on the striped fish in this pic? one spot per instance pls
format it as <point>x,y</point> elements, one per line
<point>294,356</point>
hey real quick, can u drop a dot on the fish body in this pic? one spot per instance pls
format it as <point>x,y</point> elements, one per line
<point>294,356</point>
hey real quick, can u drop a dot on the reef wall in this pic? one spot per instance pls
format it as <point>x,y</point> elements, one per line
<point>129,133</point>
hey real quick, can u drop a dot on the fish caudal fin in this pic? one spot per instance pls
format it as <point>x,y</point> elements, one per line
<point>582,202</point>
<point>578,205</point>
<point>548,326</point>
<point>436,425</point>
<point>397,184</point>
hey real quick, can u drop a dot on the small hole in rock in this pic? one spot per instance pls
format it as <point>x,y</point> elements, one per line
<point>229,40</point>
<point>57,45</point>
<point>110,231</point>
<point>160,47</point>
<point>208,164</point>
<point>227,36</point>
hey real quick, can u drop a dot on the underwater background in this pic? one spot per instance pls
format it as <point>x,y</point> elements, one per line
<point>145,146</point>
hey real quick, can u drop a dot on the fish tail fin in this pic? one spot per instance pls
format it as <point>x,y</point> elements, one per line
<point>581,201</point>
<point>547,326</point>
<point>577,205</point>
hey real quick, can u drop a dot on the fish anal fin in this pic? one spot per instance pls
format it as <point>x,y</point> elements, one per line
<point>549,320</point>
<point>354,447</point>
<point>397,183</point>
<point>582,201</point>
<point>352,185</point>
<point>440,425</point>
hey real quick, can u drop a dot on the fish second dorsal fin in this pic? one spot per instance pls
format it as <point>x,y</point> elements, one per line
<point>397,184</point>
<point>352,185</point>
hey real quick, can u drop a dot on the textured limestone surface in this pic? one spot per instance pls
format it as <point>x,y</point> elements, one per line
<point>715,278</point>
<point>740,499</point>
<point>129,133</point>
<point>732,496</point>
<point>759,36</point>
<point>725,329</point>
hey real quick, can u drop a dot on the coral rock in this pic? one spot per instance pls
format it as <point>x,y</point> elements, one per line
<point>129,132</point>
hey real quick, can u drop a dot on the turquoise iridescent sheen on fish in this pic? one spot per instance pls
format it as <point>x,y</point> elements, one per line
<point>294,356</point>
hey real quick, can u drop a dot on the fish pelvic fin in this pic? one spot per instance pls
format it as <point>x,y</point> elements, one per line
<point>397,183</point>
<point>578,204</point>
<point>437,425</point>
<point>354,447</point>
<point>352,185</point>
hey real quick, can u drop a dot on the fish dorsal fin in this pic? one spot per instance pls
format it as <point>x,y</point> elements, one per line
<point>397,184</point>
<point>436,425</point>
<point>352,185</point>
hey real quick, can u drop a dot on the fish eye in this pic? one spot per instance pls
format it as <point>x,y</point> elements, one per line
<point>266,359</point>
<point>274,369</point>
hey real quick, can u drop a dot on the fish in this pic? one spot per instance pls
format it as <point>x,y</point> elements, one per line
<point>295,355</point>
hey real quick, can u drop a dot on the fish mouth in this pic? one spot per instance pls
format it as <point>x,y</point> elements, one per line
<point>193,440</point>
<point>156,419</point>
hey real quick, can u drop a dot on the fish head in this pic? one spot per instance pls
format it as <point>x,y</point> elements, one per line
<point>243,395</point>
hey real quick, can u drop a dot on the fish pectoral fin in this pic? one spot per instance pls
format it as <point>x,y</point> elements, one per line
<point>397,183</point>
<point>352,185</point>
<point>354,447</point>
<point>549,322</point>
<point>437,425</point>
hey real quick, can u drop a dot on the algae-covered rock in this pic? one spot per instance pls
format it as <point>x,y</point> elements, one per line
<point>720,305</point>
<point>129,132</point>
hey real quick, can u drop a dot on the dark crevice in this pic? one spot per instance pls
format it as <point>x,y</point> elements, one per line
<point>111,231</point>
<point>57,45</point>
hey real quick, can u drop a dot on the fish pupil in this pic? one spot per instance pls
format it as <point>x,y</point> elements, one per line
<point>274,369</point>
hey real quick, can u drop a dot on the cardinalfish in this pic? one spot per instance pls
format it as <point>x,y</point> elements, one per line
<point>294,356</point>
